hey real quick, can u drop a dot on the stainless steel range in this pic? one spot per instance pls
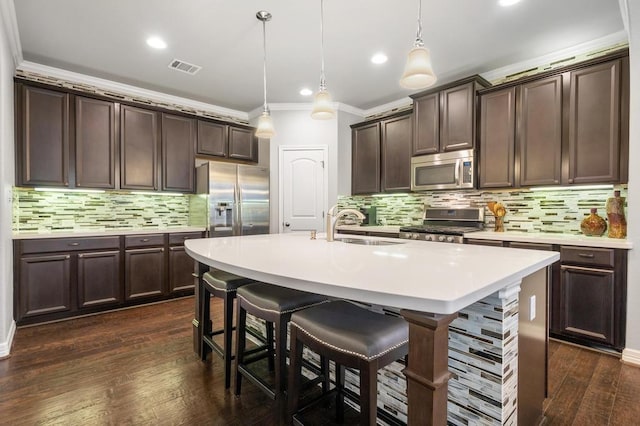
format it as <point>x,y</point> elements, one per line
<point>445,225</point>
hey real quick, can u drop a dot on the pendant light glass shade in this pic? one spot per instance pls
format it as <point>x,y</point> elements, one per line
<point>265,126</point>
<point>265,123</point>
<point>418,73</point>
<point>322,104</point>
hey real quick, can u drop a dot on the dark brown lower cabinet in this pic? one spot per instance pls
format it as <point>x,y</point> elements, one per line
<point>56,278</point>
<point>99,279</point>
<point>144,272</point>
<point>180,270</point>
<point>44,285</point>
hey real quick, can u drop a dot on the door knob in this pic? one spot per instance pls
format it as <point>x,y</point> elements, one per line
<point>287,224</point>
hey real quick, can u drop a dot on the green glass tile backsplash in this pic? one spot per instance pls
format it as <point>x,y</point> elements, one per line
<point>43,211</point>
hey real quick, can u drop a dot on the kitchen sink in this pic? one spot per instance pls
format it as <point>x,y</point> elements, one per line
<point>369,242</point>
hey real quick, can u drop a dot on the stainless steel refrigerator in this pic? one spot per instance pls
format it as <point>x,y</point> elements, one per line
<point>238,198</point>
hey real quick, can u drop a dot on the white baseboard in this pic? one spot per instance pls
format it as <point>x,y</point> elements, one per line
<point>5,347</point>
<point>631,356</point>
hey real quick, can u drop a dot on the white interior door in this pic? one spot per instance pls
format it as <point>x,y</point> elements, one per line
<point>303,188</point>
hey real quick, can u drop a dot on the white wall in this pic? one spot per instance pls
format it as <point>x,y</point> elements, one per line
<point>632,352</point>
<point>7,70</point>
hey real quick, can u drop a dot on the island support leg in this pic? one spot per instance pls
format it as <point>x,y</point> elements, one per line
<point>198,319</point>
<point>427,372</point>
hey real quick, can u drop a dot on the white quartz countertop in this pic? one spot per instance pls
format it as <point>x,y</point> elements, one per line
<point>549,238</point>
<point>424,276</point>
<point>377,228</point>
<point>103,233</point>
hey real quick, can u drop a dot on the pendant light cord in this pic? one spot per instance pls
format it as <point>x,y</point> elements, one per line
<point>264,74</point>
<point>323,84</point>
<point>419,42</point>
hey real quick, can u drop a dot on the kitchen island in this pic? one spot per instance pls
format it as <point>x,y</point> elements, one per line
<point>430,283</point>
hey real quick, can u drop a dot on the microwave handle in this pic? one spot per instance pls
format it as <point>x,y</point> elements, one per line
<point>456,175</point>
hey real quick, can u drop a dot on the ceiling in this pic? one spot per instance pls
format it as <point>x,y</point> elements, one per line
<point>107,39</point>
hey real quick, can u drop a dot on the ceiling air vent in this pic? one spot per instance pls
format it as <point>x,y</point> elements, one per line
<point>183,66</point>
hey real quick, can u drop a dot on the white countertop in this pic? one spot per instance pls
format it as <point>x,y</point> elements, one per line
<point>424,276</point>
<point>104,233</point>
<point>549,238</point>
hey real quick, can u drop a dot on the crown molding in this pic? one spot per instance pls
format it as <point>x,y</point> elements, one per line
<point>593,45</point>
<point>127,89</point>
<point>10,24</point>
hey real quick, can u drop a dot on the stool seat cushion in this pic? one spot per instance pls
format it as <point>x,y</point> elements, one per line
<point>351,329</point>
<point>225,281</point>
<point>276,299</point>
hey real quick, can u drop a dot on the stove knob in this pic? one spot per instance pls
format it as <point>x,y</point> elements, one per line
<point>449,239</point>
<point>427,237</point>
<point>415,236</point>
<point>441,238</point>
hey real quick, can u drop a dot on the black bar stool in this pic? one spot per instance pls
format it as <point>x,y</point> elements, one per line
<point>274,304</point>
<point>223,285</point>
<point>353,337</point>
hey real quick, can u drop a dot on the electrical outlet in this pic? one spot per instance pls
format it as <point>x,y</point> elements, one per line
<point>532,308</point>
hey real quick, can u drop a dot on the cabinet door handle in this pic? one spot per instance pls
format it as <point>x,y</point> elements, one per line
<point>194,275</point>
<point>144,240</point>
<point>586,255</point>
<point>74,244</point>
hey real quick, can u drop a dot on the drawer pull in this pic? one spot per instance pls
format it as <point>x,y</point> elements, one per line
<point>586,255</point>
<point>194,275</point>
<point>144,240</point>
<point>74,244</point>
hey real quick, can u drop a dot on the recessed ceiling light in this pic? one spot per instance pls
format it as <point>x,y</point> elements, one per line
<point>506,3</point>
<point>306,92</point>
<point>156,43</point>
<point>379,58</point>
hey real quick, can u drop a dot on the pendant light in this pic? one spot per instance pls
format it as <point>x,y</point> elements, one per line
<point>322,107</point>
<point>265,123</point>
<point>418,73</point>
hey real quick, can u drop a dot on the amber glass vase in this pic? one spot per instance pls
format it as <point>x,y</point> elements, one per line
<point>615,214</point>
<point>593,225</point>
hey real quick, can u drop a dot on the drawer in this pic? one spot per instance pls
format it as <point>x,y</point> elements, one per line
<point>143,240</point>
<point>479,242</point>
<point>531,246</point>
<point>49,245</point>
<point>179,237</point>
<point>587,256</point>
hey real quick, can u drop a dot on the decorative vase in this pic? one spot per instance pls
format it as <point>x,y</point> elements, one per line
<point>615,214</point>
<point>593,225</point>
<point>499,224</point>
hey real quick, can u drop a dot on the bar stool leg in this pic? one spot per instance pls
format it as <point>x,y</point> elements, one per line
<point>205,328</point>
<point>241,321</point>
<point>269,331</point>
<point>368,392</point>
<point>228,333</point>
<point>281,357</point>
<point>295,376</point>
<point>339,393</point>
<point>324,367</point>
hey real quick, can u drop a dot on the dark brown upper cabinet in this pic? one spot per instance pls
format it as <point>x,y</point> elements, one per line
<point>139,129</point>
<point>226,141</point>
<point>365,159</point>
<point>178,159</point>
<point>568,126</point>
<point>594,124</point>
<point>95,143</point>
<point>381,155</point>
<point>444,118</point>
<point>497,136</point>
<point>539,135</point>
<point>213,139</point>
<point>42,136</point>
<point>243,145</point>
<point>396,154</point>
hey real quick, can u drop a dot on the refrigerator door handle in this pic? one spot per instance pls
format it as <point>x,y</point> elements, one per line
<point>237,197</point>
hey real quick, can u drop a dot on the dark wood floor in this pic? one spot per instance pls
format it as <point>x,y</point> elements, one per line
<point>137,367</point>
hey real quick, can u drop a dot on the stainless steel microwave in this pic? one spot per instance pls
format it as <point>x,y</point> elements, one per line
<point>448,170</point>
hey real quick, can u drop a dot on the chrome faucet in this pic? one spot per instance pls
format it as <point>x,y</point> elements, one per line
<point>332,219</point>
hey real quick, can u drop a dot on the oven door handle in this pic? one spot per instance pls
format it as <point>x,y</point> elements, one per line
<point>456,175</point>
